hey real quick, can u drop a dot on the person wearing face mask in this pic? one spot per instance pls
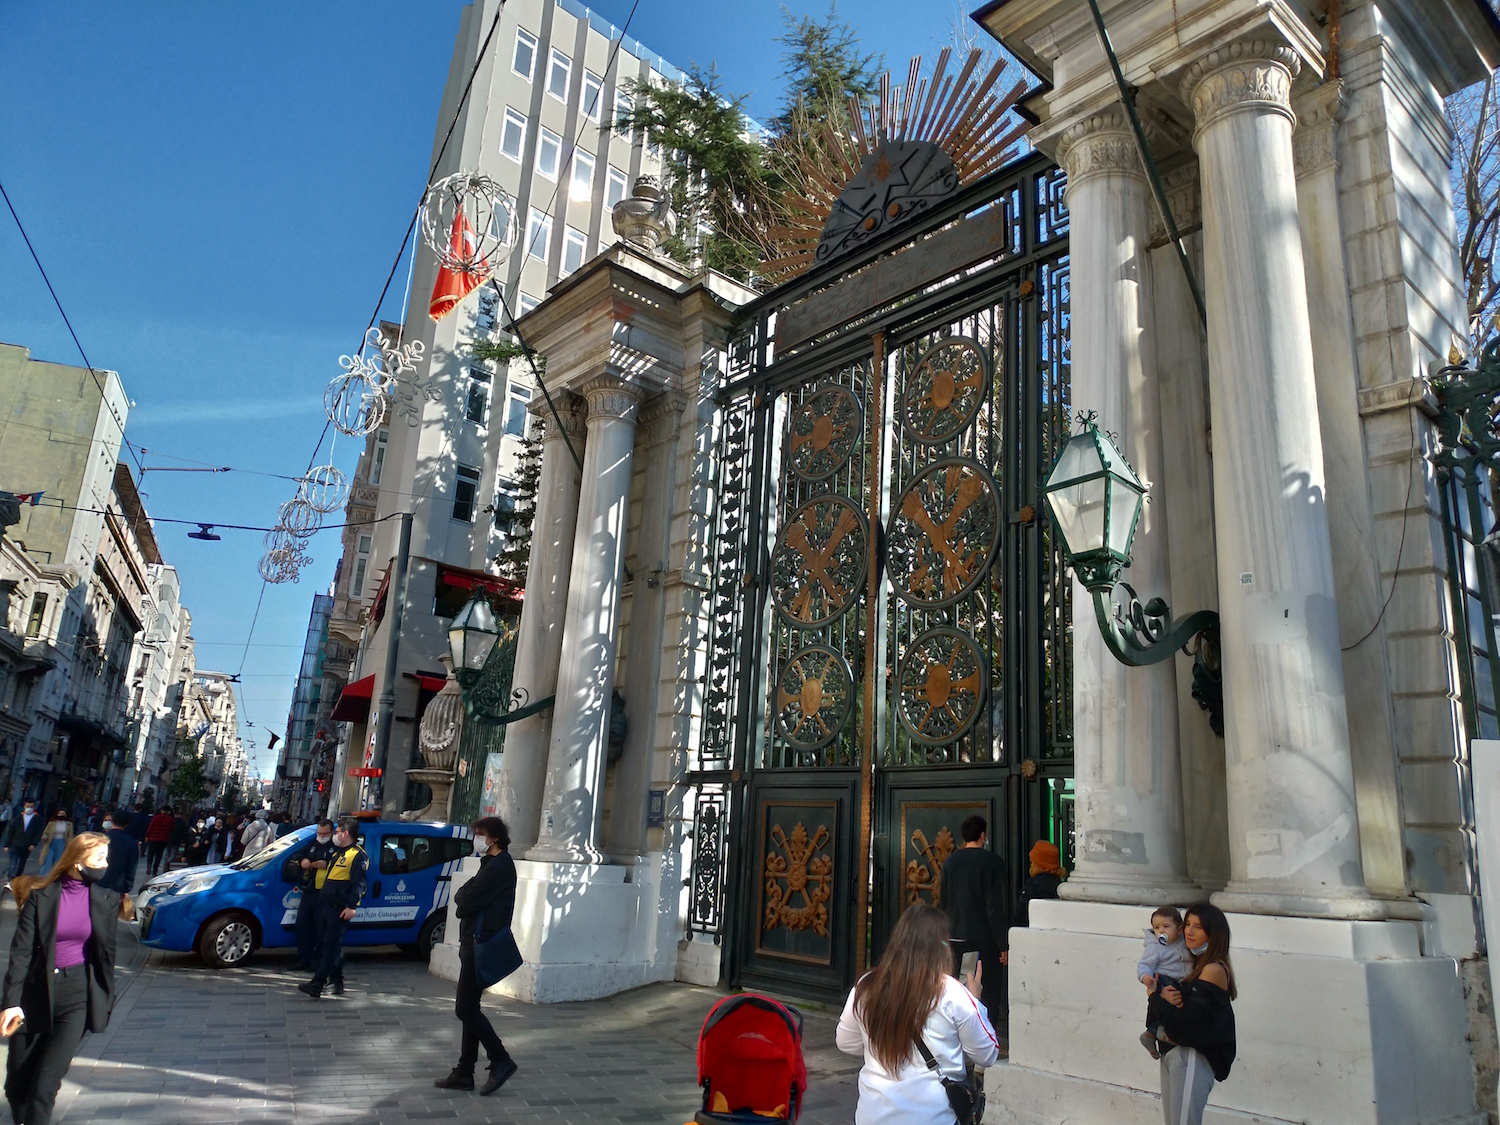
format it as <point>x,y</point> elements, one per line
<point>314,871</point>
<point>61,978</point>
<point>343,887</point>
<point>21,835</point>
<point>484,906</point>
<point>1197,1041</point>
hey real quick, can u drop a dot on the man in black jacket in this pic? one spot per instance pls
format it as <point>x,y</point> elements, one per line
<point>343,887</point>
<point>124,855</point>
<point>21,834</point>
<point>314,866</point>
<point>973,895</point>
<point>484,906</point>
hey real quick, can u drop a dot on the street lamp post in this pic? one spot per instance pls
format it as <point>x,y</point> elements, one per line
<point>1095,498</point>
<point>484,656</point>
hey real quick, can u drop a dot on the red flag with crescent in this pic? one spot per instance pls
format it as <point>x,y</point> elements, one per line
<point>454,285</point>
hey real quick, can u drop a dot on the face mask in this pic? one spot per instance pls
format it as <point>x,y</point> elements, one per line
<point>324,839</point>
<point>200,824</point>
<point>481,845</point>
<point>1199,951</point>
<point>92,874</point>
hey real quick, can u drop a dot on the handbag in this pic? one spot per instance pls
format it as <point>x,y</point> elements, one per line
<point>965,1096</point>
<point>496,957</point>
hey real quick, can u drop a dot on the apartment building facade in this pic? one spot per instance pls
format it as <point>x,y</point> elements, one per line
<point>540,120</point>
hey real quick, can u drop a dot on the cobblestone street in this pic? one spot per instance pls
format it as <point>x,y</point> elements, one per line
<point>190,1045</point>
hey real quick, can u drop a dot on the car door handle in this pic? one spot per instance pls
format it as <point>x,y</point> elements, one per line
<point>377,888</point>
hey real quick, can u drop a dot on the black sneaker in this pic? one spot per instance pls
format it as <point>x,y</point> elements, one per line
<point>500,1073</point>
<point>312,988</point>
<point>457,1080</point>
<point>338,988</point>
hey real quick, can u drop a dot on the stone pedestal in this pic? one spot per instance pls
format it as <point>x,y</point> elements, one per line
<point>1293,833</point>
<point>1338,1022</point>
<point>441,783</point>
<point>572,804</point>
<point>523,766</point>
<point>1129,780</point>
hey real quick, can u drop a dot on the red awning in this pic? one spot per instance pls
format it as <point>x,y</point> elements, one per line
<point>430,683</point>
<point>463,579</point>
<point>354,701</point>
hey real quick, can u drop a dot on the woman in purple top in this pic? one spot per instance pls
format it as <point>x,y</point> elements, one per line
<point>61,978</point>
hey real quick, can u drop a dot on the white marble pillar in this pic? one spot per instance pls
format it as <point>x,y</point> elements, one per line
<point>1129,779</point>
<point>1293,831</point>
<point>572,804</point>
<point>539,646</point>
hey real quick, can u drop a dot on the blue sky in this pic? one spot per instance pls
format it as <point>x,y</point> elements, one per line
<point>218,190</point>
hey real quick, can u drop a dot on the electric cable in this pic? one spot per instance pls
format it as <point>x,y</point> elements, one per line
<point>1401,547</point>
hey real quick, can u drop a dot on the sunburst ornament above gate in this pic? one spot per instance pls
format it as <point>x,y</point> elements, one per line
<point>894,158</point>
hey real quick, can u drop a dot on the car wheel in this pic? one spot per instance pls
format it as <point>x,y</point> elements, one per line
<point>432,934</point>
<point>227,941</point>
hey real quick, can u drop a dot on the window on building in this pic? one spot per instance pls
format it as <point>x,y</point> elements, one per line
<point>548,152</point>
<point>357,582</point>
<point>614,189</point>
<point>506,494</point>
<point>583,176</point>
<point>624,107</point>
<point>527,303</point>
<point>37,615</point>
<point>558,73</point>
<point>524,60</point>
<point>575,249</point>
<point>515,419</point>
<point>488,317</point>
<point>377,459</point>
<point>538,237</point>
<point>478,398</point>
<point>593,94</point>
<point>364,544</point>
<point>513,134</point>
<point>465,490</point>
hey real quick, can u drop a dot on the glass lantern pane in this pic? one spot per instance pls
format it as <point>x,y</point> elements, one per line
<point>1079,458</point>
<point>1124,505</point>
<point>1078,510</point>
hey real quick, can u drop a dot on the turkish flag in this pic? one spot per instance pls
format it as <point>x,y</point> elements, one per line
<point>454,285</point>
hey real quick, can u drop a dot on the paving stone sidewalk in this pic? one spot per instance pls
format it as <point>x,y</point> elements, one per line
<point>190,1045</point>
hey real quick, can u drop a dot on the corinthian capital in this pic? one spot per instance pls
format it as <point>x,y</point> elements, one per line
<point>611,397</point>
<point>1314,143</point>
<point>570,414</point>
<point>1251,74</point>
<point>1100,143</point>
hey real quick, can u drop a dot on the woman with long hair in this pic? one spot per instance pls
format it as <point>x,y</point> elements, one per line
<point>55,838</point>
<point>487,953</point>
<point>1197,1019</point>
<point>61,978</point>
<point>906,999</point>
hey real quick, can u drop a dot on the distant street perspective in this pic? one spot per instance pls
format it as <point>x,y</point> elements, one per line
<point>862,563</point>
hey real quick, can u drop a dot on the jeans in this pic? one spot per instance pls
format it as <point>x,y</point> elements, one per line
<point>477,1027</point>
<point>155,850</point>
<point>1186,1082</point>
<point>307,928</point>
<point>35,1065</point>
<point>54,853</point>
<point>18,857</point>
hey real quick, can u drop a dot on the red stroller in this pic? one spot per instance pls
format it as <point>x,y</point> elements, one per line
<point>750,1062</point>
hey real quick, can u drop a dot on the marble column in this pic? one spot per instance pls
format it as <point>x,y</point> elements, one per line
<point>660,428</point>
<point>1293,830</point>
<point>1129,774</point>
<point>572,803</point>
<point>1351,520</point>
<point>539,645</point>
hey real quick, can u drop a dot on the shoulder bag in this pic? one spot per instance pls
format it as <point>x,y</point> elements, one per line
<point>965,1096</point>
<point>496,956</point>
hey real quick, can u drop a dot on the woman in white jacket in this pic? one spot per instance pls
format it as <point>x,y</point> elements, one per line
<point>907,996</point>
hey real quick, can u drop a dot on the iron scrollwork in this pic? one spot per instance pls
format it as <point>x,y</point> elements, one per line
<point>1138,635</point>
<point>813,697</point>
<point>796,868</point>
<point>943,676</point>
<point>944,390</point>
<point>943,533</point>
<point>823,432</point>
<point>818,569</point>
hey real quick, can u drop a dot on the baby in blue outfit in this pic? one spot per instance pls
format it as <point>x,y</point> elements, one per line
<point>1165,960</point>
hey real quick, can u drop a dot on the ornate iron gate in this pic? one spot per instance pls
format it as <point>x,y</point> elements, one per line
<point>889,647</point>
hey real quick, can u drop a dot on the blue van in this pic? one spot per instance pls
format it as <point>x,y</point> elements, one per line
<point>227,911</point>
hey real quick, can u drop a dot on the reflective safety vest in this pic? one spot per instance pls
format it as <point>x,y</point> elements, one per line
<point>339,864</point>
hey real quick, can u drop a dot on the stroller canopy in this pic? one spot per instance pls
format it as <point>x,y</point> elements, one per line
<point>750,1060</point>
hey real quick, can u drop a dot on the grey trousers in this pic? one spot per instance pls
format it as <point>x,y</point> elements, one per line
<point>1186,1082</point>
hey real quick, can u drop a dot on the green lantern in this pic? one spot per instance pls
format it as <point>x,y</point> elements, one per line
<point>1095,499</point>
<point>471,637</point>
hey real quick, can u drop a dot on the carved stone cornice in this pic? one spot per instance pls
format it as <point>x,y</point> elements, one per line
<point>570,412</point>
<point>611,397</point>
<point>1100,144</point>
<point>1315,140</point>
<point>1251,74</point>
<point>661,418</point>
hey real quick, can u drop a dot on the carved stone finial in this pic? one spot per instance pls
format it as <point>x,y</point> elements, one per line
<point>645,218</point>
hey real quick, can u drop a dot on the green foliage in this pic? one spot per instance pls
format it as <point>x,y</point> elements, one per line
<point>188,785</point>
<point>505,350</point>
<point>517,554</point>
<point>823,66</point>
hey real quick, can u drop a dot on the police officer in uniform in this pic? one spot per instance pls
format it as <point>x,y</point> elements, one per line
<point>314,872</point>
<point>343,887</point>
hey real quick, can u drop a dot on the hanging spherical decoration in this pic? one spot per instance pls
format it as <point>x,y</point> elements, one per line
<point>283,564</point>
<point>469,221</point>
<point>280,538</point>
<point>325,488</point>
<point>354,401</point>
<point>299,517</point>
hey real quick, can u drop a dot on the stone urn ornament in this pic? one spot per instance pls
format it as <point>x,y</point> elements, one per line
<point>437,739</point>
<point>644,218</point>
